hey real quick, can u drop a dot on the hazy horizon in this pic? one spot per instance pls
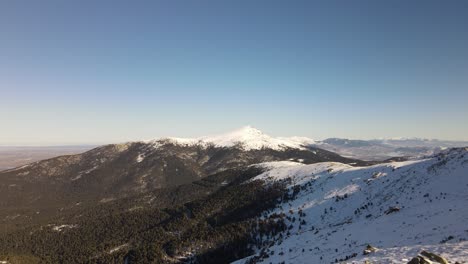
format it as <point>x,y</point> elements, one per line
<point>93,144</point>
<point>97,72</point>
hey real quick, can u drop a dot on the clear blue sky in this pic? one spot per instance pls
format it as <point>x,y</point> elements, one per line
<point>91,71</point>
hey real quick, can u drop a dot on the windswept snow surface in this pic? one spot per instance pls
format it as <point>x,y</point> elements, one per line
<point>248,138</point>
<point>346,209</point>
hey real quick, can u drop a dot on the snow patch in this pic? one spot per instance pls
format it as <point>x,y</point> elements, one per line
<point>140,158</point>
<point>60,228</point>
<point>113,250</point>
<point>81,173</point>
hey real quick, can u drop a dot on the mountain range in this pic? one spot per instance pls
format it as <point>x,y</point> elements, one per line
<point>242,196</point>
<point>371,150</point>
<point>381,149</point>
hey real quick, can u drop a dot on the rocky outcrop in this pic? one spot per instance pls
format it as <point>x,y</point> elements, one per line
<point>369,249</point>
<point>428,258</point>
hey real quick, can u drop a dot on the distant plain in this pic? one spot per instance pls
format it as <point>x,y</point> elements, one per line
<point>15,156</point>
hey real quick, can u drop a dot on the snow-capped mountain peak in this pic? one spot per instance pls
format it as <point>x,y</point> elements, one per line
<point>248,138</point>
<point>243,135</point>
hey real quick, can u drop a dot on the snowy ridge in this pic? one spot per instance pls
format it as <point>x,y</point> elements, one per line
<point>250,138</point>
<point>247,138</point>
<point>400,208</point>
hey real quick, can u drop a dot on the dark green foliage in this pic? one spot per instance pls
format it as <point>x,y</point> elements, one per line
<point>216,227</point>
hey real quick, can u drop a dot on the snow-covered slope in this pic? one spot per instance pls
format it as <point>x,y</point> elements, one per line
<point>400,208</point>
<point>248,138</point>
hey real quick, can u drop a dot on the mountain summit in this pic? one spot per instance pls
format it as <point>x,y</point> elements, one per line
<point>247,138</point>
